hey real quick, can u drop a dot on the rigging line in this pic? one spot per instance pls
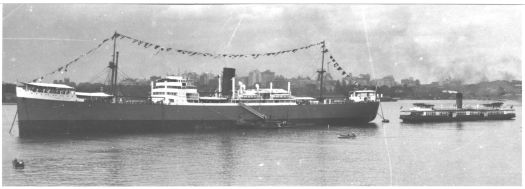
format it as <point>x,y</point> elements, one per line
<point>232,36</point>
<point>126,76</point>
<point>387,153</point>
<point>370,60</point>
<point>80,57</point>
<point>98,75</point>
<point>13,123</point>
<point>46,39</point>
<point>10,13</point>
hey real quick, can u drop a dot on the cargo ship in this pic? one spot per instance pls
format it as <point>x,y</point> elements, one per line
<point>175,104</point>
<point>422,112</point>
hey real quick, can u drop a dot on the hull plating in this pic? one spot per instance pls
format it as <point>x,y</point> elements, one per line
<point>43,116</point>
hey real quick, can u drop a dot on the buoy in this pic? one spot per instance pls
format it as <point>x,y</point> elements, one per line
<point>18,164</point>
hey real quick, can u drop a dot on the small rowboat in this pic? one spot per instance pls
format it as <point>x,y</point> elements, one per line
<point>18,164</point>
<point>352,135</point>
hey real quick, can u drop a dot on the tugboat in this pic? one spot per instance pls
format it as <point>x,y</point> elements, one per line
<point>422,112</point>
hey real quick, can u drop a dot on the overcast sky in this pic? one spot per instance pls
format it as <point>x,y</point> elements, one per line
<point>428,42</point>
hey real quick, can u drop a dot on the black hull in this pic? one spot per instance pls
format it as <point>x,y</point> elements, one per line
<point>44,117</point>
<point>422,119</point>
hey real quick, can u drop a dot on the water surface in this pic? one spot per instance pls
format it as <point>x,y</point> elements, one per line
<point>466,153</point>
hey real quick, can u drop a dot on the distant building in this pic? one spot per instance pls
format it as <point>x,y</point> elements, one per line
<point>388,81</point>
<point>204,78</point>
<point>410,82</point>
<point>362,80</point>
<point>266,77</point>
<point>243,79</point>
<point>302,82</point>
<point>254,77</point>
<point>192,76</point>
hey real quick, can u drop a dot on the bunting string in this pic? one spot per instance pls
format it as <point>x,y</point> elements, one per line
<point>338,67</point>
<point>160,48</point>
<point>65,67</point>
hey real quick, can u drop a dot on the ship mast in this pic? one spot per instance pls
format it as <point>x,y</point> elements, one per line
<point>113,65</point>
<point>321,73</point>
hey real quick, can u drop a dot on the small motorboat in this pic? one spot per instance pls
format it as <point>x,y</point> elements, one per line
<point>349,135</point>
<point>18,164</point>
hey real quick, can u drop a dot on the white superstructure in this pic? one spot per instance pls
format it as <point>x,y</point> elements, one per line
<point>173,90</point>
<point>364,96</point>
<point>59,92</point>
<point>47,91</point>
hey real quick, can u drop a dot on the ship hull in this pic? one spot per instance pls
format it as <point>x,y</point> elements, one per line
<point>38,116</point>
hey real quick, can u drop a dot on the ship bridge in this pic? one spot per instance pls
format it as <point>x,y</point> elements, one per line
<point>173,90</point>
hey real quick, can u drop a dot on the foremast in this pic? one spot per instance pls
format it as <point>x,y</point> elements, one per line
<point>113,65</point>
<point>321,72</point>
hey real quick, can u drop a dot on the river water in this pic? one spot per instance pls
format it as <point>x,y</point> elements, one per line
<point>466,153</point>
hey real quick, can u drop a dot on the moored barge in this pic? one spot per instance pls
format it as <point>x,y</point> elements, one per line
<point>422,112</point>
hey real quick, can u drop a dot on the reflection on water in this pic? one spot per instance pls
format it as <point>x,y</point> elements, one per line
<point>467,153</point>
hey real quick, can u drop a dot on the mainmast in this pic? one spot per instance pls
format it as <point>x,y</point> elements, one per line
<point>321,73</point>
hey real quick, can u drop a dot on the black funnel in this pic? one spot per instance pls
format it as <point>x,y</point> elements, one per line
<point>227,75</point>
<point>459,100</point>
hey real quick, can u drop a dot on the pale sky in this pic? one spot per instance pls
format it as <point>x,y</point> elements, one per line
<point>427,42</point>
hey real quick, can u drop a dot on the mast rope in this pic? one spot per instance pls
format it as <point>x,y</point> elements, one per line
<point>13,123</point>
<point>66,66</point>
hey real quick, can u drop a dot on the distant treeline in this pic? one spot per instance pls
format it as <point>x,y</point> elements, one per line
<point>485,90</point>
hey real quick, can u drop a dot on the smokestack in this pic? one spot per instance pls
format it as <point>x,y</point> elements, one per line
<point>220,88</point>
<point>233,87</point>
<point>227,75</point>
<point>289,92</point>
<point>271,87</point>
<point>459,100</point>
